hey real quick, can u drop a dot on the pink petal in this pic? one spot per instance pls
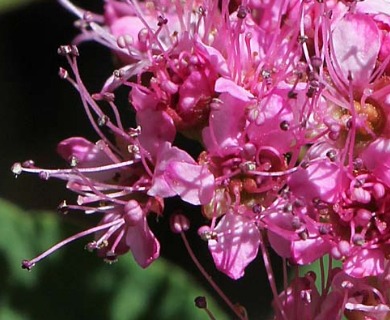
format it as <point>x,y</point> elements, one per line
<point>307,251</point>
<point>355,53</point>
<point>280,231</point>
<point>176,173</point>
<point>286,242</point>
<point>281,245</point>
<point>236,246</point>
<point>265,128</point>
<point>229,86</point>
<point>157,128</point>
<point>377,159</point>
<point>227,122</point>
<point>365,263</point>
<point>374,7</point>
<point>86,152</point>
<point>143,244</point>
<point>160,187</point>
<point>215,58</point>
<point>143,99</point>
<point>88,155</point>
<point>195,88</point>
<point>193,183</point>
<point>323,180</point>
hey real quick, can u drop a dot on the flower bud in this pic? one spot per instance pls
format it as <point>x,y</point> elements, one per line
<point>179,223</point>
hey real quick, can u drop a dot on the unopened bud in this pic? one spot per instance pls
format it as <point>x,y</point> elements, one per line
<point>201,302</point>
<point>179,223</point>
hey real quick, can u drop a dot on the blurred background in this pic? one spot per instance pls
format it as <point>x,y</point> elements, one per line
<point>37,110</point>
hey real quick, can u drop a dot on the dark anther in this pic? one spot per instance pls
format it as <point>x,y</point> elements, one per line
<point>324,229</point>
<point>287,156</point>
<point>201,10</point>
<point>161,21</point>
<point>316,62</point>
<point>292,95</point>
<point>257,208</point>
<point>304,164</point>
<point>91,246</point>
<point>26,264</point>
<point>302,39</point>
<point>358,164</point>
<point>314,83</point>
<point>242,12</point>
<point>298,203</point>
<point>110,257</point>
<point>287,208</point>
<point>296,223</point>
<point>201,302</point>
<point>310,92</point>
<point>331,154</point>
<point>284,125</point>
<point>348,124</point>
<point>303,235</point>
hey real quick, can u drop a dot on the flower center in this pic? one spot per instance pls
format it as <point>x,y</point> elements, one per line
<point>370,120</point>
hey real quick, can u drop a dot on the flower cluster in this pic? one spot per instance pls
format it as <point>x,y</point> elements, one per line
<point>290,102</point>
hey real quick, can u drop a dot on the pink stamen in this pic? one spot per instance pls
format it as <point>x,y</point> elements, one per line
<point>28,264</point>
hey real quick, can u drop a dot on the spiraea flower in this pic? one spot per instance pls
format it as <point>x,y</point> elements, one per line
<point>289,101</point>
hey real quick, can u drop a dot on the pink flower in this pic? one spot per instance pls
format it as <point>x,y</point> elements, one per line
<point>289,103</point>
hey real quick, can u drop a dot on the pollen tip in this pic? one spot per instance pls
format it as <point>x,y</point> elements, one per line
<point>27,264</point>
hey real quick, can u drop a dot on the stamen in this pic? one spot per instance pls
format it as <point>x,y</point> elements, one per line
<point>18,169</point>
<point>270,274</point>
<point>273,173</point>
<point>28,264</point>
<point>209,279</point>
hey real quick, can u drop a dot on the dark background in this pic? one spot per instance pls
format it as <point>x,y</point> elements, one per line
<point>38,109</point>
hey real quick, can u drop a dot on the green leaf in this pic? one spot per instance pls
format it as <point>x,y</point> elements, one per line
<point>74,284</point>
<point>6,5</point>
